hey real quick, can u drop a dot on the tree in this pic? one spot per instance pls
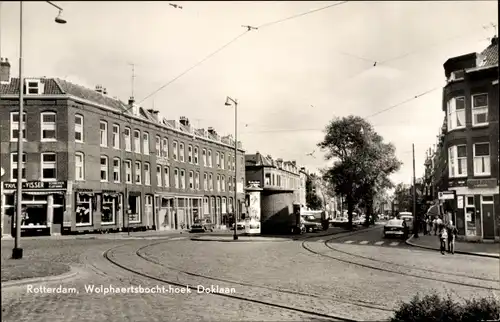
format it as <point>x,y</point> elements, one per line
<point>362,161</point>
<point>312,199</point>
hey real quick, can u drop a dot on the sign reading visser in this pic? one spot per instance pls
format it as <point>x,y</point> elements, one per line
<point>36,185</point>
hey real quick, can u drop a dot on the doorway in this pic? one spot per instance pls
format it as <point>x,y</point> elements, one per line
<point>488,216</point>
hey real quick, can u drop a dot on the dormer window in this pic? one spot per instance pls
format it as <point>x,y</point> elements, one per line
<point>456,75</point>
<point>33,87</point>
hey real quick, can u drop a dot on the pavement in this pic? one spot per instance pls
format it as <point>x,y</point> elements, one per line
<point>467,248</point>
<point>282,273</point>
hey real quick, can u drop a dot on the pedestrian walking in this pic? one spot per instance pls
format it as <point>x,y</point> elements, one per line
<point>443,236</point>
<point>452,234</point>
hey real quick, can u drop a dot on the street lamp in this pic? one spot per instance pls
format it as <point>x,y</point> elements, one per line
<point>17,251</point>
<point>229,100</point>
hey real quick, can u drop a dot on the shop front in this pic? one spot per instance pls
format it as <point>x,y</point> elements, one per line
<point>42,203</point>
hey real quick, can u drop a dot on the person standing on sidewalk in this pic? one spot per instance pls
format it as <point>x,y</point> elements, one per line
<point>452,233</point>
<point>443,236</point>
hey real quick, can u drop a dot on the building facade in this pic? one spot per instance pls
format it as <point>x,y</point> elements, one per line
<point>469,144</point>
<point>302,188</point>
<point>92,162</point>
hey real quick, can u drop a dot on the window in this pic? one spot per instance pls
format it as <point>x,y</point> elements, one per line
<point>267,180</point>
<point>49,166</point>
<point>83,209</point>
<point>78,128</point>
<point>176,151</point>
<point>165,148</point>
<point>158,175</point>
<point>206,209</point>
<point>183,179</point>
<point>197,181</point>
<point>181,152</point>
<point>116,136</point>
<point>190,154</point>
<point>128,171</point>
<point>104,133</point>
<point>229,184</point>
<point>13,167</point>
<point>158,146</point>
<point>205,182</point>
<point>14,126</point>
<point>104,168</point>
<point>147,174</point>
<point>134,203</point>
<point>166,177</point>
<point>191,180</point>
<point>223,183</point>
<point>218,183</point>
<point>176,178</point>
<point>196,155</point>
<point>217,160</point>
<point>224,203</point>
<point>486,199</point>
<point>48,126</point>
<point>204,156</point>
<point>481,159</point>
<point>79,166</point>
<point>128,139</point>
<point>209,158</point>
<point>210,182</point>
<point>456,113</point>
<point>108,209</point>
<point>222,161</point>
<point>145,143</point>
<point>116,169</point>
<point>479,109</point>
<point>137,141</point>
<point>138,172</point>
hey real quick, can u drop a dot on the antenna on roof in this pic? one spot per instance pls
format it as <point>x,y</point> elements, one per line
<point>133,77</point>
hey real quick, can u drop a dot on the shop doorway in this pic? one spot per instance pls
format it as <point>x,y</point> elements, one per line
<point>488,214</point>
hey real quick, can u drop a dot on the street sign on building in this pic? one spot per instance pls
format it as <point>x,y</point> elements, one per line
<point>446,195</point>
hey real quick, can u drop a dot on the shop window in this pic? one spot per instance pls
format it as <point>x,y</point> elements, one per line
<point>83,209</point>
<point>49,165</point>
<point>108,210</point>
<point>34,214</point>
<point>134,203</point>
<point>470,216</point>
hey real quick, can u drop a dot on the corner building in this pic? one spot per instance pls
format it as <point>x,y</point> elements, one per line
<point>92,162</point>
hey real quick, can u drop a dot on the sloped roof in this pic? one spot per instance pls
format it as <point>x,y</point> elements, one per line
<point>257,160</point>
<point>12,88</point>
<point>490,54</point>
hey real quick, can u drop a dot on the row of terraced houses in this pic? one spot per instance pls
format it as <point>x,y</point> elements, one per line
<point>92,162</point>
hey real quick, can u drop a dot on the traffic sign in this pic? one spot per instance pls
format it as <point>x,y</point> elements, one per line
<point>446,195</point>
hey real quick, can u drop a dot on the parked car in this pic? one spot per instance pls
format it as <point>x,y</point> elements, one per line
<point>408,218</point>
<point>239,225</point>
<point>396,227</point>
<point>202,225</point>
<point>310,223</point>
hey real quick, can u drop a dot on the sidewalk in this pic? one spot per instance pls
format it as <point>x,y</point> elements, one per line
<point>476,249</point>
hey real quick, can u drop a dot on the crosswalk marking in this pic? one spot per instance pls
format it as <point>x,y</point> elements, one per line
<point>348,242</point>
<point>364,242</point>
<point>394,243</point>
<point>379,243</point>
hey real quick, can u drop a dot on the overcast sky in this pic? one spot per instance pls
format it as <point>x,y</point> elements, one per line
<point>290,78</point>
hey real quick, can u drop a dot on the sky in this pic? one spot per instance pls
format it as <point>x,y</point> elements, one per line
<point>290,78</point>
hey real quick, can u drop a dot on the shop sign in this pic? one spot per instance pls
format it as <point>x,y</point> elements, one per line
<point>457,183</point>
<point>481,183</point>
<point>36,185</point>
<point>446,195</point>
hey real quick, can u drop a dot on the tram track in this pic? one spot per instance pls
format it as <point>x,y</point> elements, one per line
<point>274,292</point>
<point>393,271</point>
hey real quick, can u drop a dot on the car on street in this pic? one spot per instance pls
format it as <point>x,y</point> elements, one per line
<point>310,224</point>
<point>395,227</point>
<point>408,218</point>
<point>202,225</point>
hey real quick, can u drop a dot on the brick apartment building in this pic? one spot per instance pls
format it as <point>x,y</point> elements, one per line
<point>467,159</point>
<point>92,162</point>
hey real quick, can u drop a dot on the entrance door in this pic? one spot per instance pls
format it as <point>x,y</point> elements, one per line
<point>148,208</point>
<point>488,217</point>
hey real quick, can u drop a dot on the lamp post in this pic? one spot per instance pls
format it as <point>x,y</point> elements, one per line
<point>229,100</point>
<point>17,251</point>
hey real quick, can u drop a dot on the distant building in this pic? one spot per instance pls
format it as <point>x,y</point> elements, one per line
<point>136,170</point>
<point>466,157</point>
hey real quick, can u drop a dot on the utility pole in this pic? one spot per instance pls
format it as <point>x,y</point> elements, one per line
<point>133,77</point>
<point>415,217</point>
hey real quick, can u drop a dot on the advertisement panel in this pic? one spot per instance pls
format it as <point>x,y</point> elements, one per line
<point>252,223</point>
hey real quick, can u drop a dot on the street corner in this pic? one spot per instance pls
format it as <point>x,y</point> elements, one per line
<point>33,281</point>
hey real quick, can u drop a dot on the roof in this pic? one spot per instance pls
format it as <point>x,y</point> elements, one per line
<point>12,88</point>
<point>257,160</point>
<point>490,54</point>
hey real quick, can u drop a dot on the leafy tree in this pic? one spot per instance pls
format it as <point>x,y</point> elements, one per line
<point>362,161</point>
<point>312,199</point>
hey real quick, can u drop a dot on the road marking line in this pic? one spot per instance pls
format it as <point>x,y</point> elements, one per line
<point>364,242</point>
<point>348,242</point>
<point>320,241</point>
<point>379,243</point>
<point>394,243</point>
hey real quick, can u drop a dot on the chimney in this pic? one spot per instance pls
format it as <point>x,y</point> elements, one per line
<point>211,131</point>
<point>494,40</point>
<point>294,163</point>
<point>98,89</point>
<point>104,91</point>
<point>154,114</point>
<point>184,121</point>
<point>131,101</point>
<point>4,70</point>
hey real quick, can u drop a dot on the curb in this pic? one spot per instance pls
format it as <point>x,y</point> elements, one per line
<point>240,241</point>
<point>408,242</point>
<point>36,280</point>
